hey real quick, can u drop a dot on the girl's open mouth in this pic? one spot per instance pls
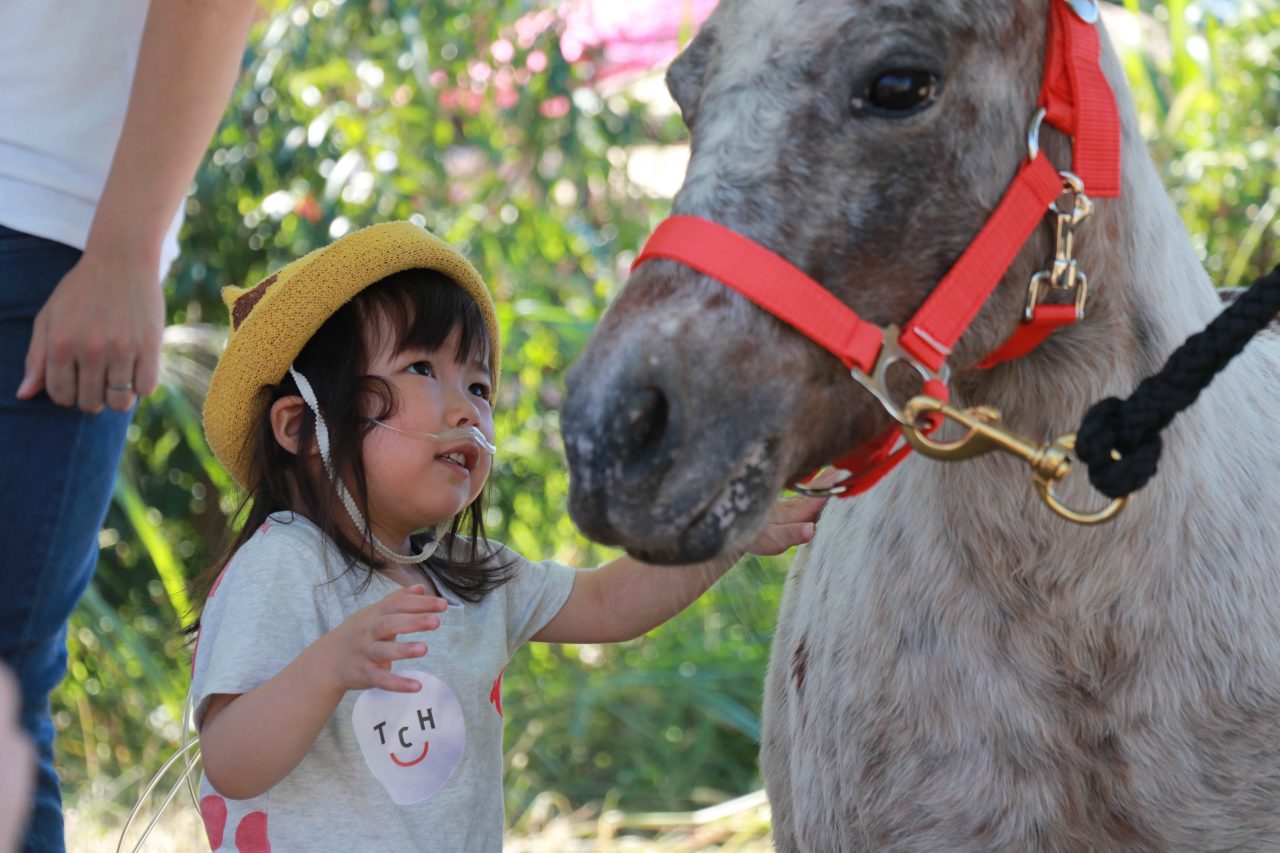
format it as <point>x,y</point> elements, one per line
<point>462,455</point>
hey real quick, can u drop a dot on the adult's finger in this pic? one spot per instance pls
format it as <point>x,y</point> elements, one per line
<point>146,369</point>
<point>33,369</point>
<point>117,399</point>
<point>91,378</point>
<point>60,368</point>
<point>120,391</point>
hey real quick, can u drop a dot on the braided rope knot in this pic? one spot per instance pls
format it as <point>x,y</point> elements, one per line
<point>1118,464</point>
<point>1119,440</point>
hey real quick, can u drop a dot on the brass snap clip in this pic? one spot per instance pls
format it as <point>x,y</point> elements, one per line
<point>1049,463</point>
<point>1065,272</point>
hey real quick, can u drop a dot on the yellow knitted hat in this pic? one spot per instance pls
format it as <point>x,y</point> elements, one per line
<point>272,322</point>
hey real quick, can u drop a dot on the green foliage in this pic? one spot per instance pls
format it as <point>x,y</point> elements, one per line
<point>663,720</point>
<point>356,112</point>
<point>1211,106</point>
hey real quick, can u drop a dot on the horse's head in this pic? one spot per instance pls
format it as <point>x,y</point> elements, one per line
<point>865,141</point>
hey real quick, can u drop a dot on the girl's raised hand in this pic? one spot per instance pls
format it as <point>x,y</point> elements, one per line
<point>791,522</point>
<point>359,652</point>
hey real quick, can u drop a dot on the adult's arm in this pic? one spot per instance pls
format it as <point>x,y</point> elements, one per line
<point>104,321</point>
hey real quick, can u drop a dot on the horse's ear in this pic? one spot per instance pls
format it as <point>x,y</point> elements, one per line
<point>686,74</point>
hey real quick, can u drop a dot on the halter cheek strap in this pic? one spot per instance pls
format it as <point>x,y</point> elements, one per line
<point>1075,98</point>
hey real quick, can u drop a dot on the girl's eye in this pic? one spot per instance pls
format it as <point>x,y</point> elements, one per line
<point>481,390</point>
<point>421,368</point>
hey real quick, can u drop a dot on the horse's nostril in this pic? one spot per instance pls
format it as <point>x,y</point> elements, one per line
<point>647,419</point>
<point>622,433</point>
<point>645,432</point>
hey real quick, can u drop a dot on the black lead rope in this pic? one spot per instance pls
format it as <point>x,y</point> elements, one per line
<point>1119,440</point>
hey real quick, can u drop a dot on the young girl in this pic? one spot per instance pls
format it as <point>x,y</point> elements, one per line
<point>353,403</point>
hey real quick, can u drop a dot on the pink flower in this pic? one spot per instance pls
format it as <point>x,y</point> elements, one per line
<point>557,107</point>
<point>632,36</point>
<point>533,25</point>
<point>502,51</point>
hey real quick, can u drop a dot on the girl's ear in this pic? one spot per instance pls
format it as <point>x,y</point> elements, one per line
<point>286,421</point>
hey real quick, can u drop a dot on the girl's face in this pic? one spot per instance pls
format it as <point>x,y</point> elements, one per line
<point>416,482</point>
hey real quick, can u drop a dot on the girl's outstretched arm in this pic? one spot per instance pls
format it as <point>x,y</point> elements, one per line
<point>250,741</point>
<point>624,598</point>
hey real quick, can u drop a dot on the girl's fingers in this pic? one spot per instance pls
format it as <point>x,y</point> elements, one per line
<point>385,651</point>
<point>394,683</point>
<point>798,509</point>
<point>406,623</point>
<point>795,534</point>
<point>828,477</point>
<point>780,537</point>
<point>408,601</point>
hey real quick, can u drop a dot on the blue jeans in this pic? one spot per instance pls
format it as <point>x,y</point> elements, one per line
<point>57,466</point>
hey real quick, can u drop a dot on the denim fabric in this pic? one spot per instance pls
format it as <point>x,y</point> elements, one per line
<point>57,466</point>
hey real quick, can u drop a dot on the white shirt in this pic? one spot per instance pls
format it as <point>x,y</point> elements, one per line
<point>66,70</point>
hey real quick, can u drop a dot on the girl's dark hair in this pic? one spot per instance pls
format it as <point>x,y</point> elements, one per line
<point>416,308</point>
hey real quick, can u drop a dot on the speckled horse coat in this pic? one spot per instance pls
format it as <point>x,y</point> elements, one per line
<point>954,667</point>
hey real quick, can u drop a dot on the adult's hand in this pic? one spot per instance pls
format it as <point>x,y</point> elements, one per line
<point>100,330</point>
<point>96,341</point>
<point>17,766</point>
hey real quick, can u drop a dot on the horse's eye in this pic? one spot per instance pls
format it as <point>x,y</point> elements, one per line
<point>899,92</point>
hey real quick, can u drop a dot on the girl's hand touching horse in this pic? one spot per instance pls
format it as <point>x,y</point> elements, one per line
<point>359,652</point>
<point>791,522</point>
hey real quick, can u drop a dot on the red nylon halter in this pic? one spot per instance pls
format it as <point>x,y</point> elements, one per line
<point>1078,101</point>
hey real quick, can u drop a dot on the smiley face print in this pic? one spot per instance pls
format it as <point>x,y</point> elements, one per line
<point>412,742</point>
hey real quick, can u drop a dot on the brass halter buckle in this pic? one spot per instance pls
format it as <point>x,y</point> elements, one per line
<point>1049,463</point>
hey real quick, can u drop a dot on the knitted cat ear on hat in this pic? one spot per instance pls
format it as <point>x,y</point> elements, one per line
<point>272,321</point>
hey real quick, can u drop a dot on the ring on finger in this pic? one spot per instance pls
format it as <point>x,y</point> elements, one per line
<point>120,386</point>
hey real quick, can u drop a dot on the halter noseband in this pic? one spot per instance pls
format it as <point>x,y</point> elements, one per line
<point>1076,99</point>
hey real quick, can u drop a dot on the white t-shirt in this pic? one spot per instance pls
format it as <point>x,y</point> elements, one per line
<point>389,771</point>
<point>67,69</point>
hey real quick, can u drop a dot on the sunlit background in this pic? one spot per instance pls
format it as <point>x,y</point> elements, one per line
<point>539,139</point>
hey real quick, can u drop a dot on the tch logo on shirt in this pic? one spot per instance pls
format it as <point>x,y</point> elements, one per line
<point>412,742</point>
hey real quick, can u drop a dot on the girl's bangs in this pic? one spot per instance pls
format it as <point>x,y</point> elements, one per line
<point>421,308</point>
